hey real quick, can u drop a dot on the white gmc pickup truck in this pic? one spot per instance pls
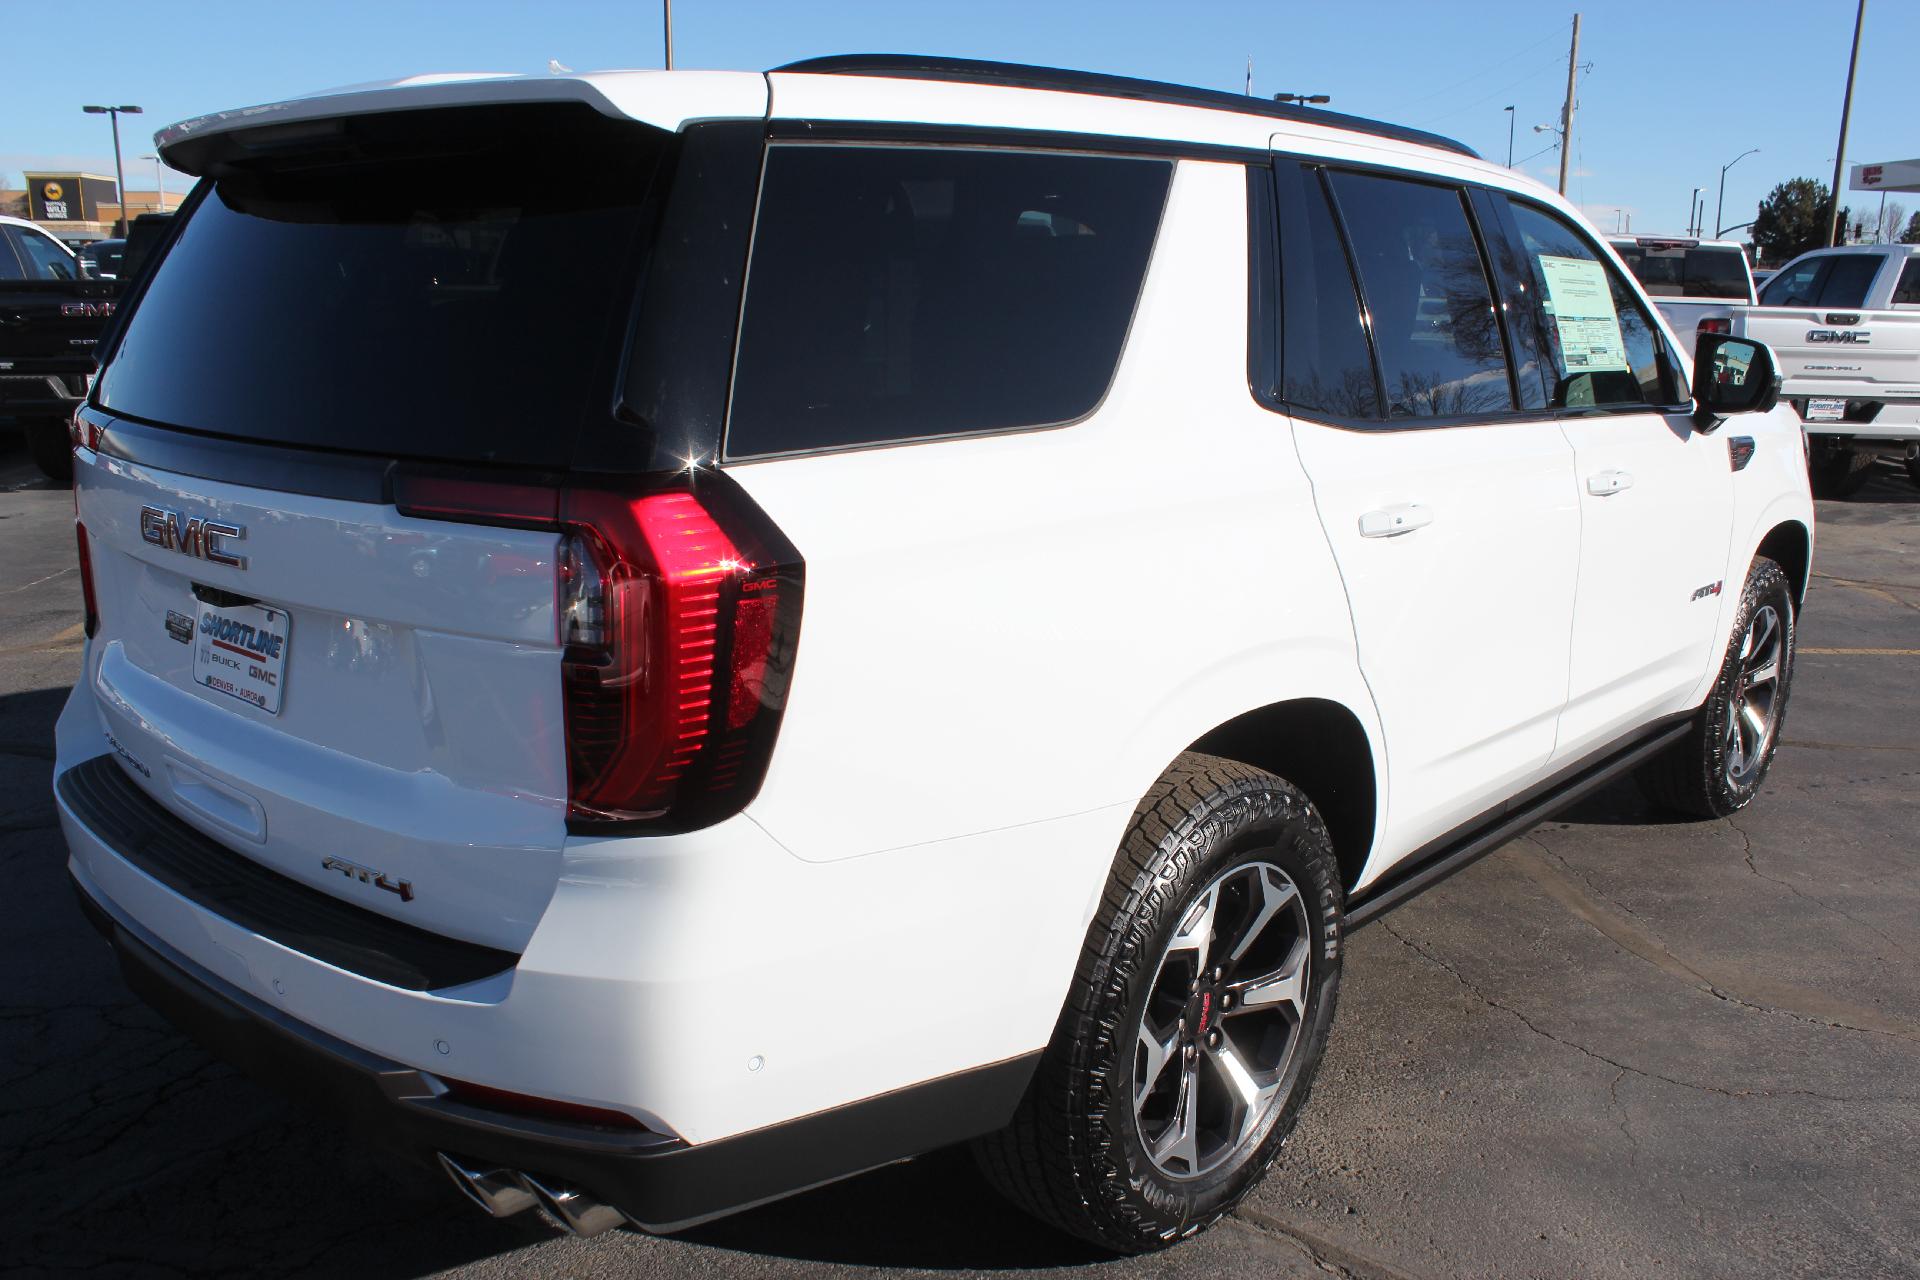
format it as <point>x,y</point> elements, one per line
<point>1845,326</point>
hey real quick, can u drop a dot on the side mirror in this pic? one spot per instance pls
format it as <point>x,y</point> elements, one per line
<point>1732,375</point>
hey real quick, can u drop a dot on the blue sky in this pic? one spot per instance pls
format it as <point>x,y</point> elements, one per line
<point>1672,91</point>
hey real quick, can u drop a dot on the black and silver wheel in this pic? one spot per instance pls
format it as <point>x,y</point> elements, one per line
<point>1197,1017</point>
<point>1717,769</point>
<point>1913,468</point>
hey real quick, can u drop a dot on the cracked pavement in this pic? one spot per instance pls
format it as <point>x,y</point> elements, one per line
<point>1619,1046</point>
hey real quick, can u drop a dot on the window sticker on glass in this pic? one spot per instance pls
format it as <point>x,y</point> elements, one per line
<point>1581,304</point>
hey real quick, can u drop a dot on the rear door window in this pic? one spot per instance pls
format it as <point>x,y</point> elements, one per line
<point>1435,329</point>
<point>1605,347</point>
<point>434,284</point>
<point>1907,292</point>
<point>10,268</point>
<point>1326,363</point>
<point>898,293</point>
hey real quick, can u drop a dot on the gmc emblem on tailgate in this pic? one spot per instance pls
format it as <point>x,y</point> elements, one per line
<point>87,310</point>
<point>197,538</point>
<point>1858,337</point>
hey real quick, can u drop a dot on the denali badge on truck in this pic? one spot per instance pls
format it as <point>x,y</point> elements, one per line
<point>195,538</point>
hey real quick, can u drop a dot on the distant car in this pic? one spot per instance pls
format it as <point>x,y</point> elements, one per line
<point>144,235</point>
<point>1695,283</point>
<point>1760,278</point>
<point>101,260</point>
<point>51,319</point>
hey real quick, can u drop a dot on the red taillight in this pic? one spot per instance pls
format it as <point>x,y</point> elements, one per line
<point>86,579</point>
<point>1721,325</point>
<point>678,610</point>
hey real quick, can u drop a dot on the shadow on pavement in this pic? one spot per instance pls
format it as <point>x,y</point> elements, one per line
<point>126,1150</point>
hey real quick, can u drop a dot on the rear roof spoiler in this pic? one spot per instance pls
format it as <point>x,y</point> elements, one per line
<point>667,100</point>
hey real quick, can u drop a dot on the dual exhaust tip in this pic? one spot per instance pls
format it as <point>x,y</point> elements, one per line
<point>505,1192</point>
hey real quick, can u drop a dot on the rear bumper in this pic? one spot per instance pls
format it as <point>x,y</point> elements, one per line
<point>33,396</point>
<point>660,1183</point>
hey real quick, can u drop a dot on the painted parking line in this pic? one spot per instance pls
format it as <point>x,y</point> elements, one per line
<point>1860,653</point>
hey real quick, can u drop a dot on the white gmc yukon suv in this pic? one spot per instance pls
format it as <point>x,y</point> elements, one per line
<point>1846,325</point>
<point>933,631</point>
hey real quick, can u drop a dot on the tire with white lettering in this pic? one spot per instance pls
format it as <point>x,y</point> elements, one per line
<point>1717,769</point>
<point>1913,470</point>
<point>1197,1018</point>
<point>52,449</point>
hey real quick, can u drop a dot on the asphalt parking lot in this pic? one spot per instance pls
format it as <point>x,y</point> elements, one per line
<point>1620,1046</point>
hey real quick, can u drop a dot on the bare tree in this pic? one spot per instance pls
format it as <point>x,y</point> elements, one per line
<point>1892,222</point>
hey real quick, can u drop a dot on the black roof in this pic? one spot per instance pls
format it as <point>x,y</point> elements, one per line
<point>913,66</point>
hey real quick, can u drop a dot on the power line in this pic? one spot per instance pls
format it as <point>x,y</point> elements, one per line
<point>1553,65</point>
<point>1475,77</point>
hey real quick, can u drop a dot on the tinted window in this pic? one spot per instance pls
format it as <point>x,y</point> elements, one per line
<point>43,256</point>
<point>1434,325</point>
<point>430,284</point>
<point>1832,280</point>
<point>1907,292</point>
<point>1325,361</point>
<point>1847,283</point>
<point>903,292</point>
<point>9,264</point>
<point>1604,345</point>
<point>1686,271</point>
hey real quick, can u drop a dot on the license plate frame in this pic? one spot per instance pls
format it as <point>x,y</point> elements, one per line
<point>241,650</point>
<point>1824,409</point>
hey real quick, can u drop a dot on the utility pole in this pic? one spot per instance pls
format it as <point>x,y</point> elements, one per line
<point>1566,112</point>
<point>666,13</point>
<point>1510,137</point>
<point>1846,110</point>
<point>1693,212</point>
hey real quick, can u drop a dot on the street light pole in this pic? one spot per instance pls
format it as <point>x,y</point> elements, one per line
<point>666,14</point>
<point>159,192</point>
<point>119,171</point>
<point>1720,205</point>
<point>1846,110</point>
<point>1510,118</point>
<point>1693,211</point>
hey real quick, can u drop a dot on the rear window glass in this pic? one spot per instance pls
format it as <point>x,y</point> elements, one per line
<point>430,284</point>
<point>897,293</point>
<point>45,259</point>
<point>1686,271</point>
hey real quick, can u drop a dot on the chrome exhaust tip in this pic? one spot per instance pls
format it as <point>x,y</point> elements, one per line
<point>575,1210</point>
<point>501,1192</point>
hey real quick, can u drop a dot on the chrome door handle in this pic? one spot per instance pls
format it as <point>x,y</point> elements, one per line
<point>1391,522</point>
<point>1602,484</point>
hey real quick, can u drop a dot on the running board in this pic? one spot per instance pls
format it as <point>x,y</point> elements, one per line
<point>1464,848</point>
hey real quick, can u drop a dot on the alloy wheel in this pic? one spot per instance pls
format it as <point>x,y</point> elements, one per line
<point>1752,713</point>
<point>1222,1020</point>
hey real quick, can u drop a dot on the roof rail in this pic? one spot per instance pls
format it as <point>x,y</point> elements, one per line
<point>913,66</point>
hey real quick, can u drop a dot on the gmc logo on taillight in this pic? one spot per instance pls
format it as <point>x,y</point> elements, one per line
<point>87,310</point>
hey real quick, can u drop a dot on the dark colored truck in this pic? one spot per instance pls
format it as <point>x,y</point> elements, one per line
<point>51,323</point>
